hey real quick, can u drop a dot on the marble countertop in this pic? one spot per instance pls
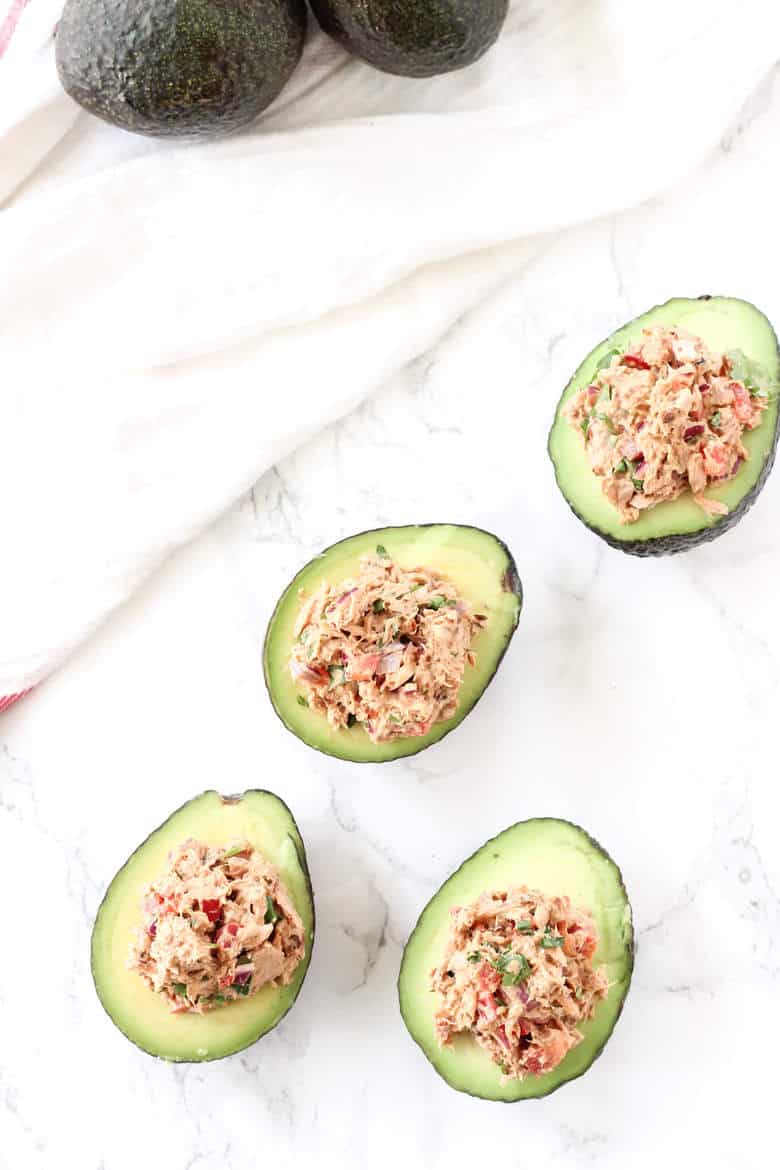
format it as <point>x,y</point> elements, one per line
<point>637,699</point>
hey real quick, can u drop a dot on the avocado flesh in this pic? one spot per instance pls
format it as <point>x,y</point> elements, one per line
<point>724,324</point>
<point>178,67</point>
<point>484,573</point>
<point>557,858</point>
<point>140,1013</point>
<point>414,38</point>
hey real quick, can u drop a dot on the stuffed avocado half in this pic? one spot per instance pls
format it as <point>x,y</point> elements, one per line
<point>354,649</point>
<point>256,824</point>
<point>702,428</point>
<point>556,869</point>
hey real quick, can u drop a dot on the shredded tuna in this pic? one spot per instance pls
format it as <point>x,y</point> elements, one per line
<point>218,925</point>
<point>664,418</point>
<point>387,649</point>
<point>518,976</point>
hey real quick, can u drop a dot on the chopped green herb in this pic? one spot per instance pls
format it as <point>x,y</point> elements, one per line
<point>715,419</point>
<point>606,360</point>
<point>179,988</point>
<point>749,373</point>
<point>351,720</point>
<point>241,988</point>
<point>381,551</point>
<point>525,926</point>
<point>234,852</point>
<point>549,940</point>
<point>414,588</point>
<point>639,484</point>
<point>511,978</point>
<point>271,912</point>
<point>473,956</point>
<point>437,602</point>
<point>302,702</point>
<point>585,425</point>
<point>503,1068</point>
<point>579,993</point>
<point>395,718</point>
<point>379,605</point>
<point>621,468</point>
<point>338,676</point>
<point>218,998</point>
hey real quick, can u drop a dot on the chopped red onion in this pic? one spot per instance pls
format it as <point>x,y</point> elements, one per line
<point>390,661</point>
<point>303,673</point>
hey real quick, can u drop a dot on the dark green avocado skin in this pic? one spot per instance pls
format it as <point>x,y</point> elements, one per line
<point>676,543</point>
<point>178,68</point>
<point>414,38</point>
<point>684,542</point>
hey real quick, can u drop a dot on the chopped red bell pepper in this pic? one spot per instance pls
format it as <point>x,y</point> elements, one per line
<point>212,909</point>
<point>635,361</point>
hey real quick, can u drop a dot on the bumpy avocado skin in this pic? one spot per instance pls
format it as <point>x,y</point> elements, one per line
<point>173,68</point>
<point>677,542</point>
<point>414,38</point>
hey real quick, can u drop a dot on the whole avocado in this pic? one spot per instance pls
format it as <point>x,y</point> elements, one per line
<point>178,67</point>
<point>414,38</point>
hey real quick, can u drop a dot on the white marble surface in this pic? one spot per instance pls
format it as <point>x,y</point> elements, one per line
<point>638,699</point>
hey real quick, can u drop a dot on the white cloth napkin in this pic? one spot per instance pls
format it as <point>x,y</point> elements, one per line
<point>175,318</point>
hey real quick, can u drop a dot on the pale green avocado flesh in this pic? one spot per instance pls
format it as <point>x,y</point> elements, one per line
<point>258,817</point>
<point>557,858</point>
<point>484,573</point>
<point>725,324</point>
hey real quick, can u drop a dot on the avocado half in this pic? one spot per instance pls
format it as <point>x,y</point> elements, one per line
<point>724,323</point>
<point>256,816</point>
<point>558,858</point>
<point>414,38</point>
<point>176,68</point>
<point>485,574</point>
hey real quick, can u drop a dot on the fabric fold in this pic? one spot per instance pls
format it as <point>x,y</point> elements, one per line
<point>176,317</point>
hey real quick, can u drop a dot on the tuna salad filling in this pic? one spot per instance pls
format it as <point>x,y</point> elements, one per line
<point>667,417</point>
<point>218,925</point>
<point>518,976</point>
<point>386,649</point>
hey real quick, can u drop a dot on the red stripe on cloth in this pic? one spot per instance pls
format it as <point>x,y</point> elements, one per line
<point>7,29</point>
<point>7,700</point>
